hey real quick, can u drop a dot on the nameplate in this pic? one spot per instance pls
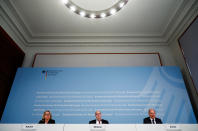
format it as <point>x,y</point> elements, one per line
<point>28,127</point>
<point>97,127</point>
<point>173,127</point>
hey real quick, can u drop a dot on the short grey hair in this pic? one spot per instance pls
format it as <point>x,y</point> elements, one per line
<point>150,110</point>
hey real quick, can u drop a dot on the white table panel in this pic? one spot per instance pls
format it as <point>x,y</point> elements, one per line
<point>86,127</point>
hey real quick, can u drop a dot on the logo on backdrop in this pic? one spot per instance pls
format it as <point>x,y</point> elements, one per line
<point>47,73</point>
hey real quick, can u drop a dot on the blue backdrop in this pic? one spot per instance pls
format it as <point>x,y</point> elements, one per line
<point>122,94</point>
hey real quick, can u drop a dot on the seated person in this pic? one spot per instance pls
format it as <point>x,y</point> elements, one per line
<point>152,119</point>
<point>98,119</point>
<point>47,118</point>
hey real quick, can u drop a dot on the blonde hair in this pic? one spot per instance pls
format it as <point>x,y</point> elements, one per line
<point>43,117</point>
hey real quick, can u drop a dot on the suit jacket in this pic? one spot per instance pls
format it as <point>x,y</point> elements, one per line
<point>51,121</point>
<point>148,121</point>
<point>103,121</point>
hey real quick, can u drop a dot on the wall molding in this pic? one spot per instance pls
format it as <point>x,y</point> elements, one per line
<point>145,53</point>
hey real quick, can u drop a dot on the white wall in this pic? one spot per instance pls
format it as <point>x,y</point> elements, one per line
<point>165,53</point>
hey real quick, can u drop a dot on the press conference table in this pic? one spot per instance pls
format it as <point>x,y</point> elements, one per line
<point>87,127</point>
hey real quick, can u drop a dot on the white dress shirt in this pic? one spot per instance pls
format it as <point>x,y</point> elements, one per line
<point>152,121</point>
<point>98,122</point>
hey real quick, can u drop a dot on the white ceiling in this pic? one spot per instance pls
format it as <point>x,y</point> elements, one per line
<point>50,22</point>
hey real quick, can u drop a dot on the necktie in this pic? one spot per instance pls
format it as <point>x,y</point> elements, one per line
<point>153,121</point>
<point>99,122</point>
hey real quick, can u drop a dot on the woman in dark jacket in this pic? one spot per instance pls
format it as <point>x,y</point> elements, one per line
<point>47,118</point>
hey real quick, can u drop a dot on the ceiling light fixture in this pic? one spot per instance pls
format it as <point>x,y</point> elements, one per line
<point>95,14</point>
<point>92,16</point>
<point>113,11</point>
<point>65,1</point>
<point>73,8</point>
<point>82,13</point>
<point>102,15</point>
<point>121,4</point>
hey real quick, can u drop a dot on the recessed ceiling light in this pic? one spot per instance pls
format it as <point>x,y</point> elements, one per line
<point>121,4</point>
<point>82,13</point>
<point>95,14</point>
<point>113,11</point>
<point>65,1</point>
<point>92,15</point>
<point>102,15</point>
<point>73,8</point>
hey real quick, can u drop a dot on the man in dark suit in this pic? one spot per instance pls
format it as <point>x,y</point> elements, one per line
<point>98,119</point>
<point>152,119</point>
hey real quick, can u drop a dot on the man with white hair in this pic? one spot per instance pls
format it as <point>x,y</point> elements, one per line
<point>152,119</point>
<point>98,119</point>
